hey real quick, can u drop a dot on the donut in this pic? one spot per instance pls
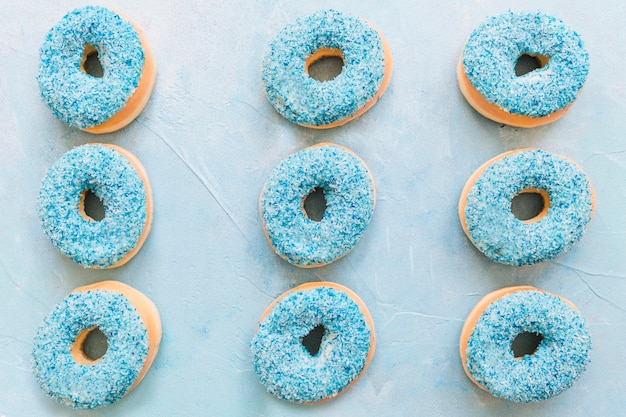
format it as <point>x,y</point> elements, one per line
<point>485,206</point>
<point>366,71</point>
<point>350,195</point>
<point>487,77</point>
<point>92,103</point>
<point>547,367</point>
<point>120,181</point>
<point>294,372</point>
<point>132,326</point>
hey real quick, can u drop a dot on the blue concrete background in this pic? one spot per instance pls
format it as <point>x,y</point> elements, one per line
<point>209,138</point>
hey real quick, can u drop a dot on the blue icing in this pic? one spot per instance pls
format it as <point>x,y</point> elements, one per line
<point>284,365</point>
<point>497,233</point>
<point>303,100</point>
<point>494,47</point>
<point>82,386</point>
<point>79,99</point>
<point>114,180</point>
<point>560,359</point>
<point>349,193</point>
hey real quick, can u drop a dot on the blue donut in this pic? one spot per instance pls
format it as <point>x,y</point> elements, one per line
<point>487,68</point>
<point>558,361</point>
<point>287,368</point>
<point>119,180</point>
<point>85,101</point>
<point>350,199</point>
<point>132,327</point>
<point>485,206</point>
<point>308,102</point>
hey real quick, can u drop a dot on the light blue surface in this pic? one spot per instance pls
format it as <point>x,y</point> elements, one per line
<point>209,139</point>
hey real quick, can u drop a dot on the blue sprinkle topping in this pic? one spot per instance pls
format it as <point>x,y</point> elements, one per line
<point>75,97</point>
<point>560,359</point>
<point>494,47</point>
<point>81,386</point>
<point>284,365</point>
<point>349,193</point>
<point>303,100</point>
<point>497,233</point>
<point>113,179</point>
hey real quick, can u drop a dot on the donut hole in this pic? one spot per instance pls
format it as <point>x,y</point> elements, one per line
<point>90,64</point>
<point>313,340</point>
<point>324,64</point>
<point>91,207</point>
<point>90,346</point>
<point>526,343</point>
<point>314,204</point>
<point>530,205</point>
<point>529,62</point>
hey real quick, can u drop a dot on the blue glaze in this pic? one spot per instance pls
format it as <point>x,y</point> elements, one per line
<point>81,386</point>
<point>497,233</point>
<point>560,359</point>
<point>303,100</point>
<point>114,180</point>
<point>349,192</point>
<point>494,47</point>
<point>285,366</point>
<point>75,97</point>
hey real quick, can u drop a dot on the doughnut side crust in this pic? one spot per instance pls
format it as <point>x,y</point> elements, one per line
<point>127,202</point>
<point>284,365</point>
<point>493,48</point>
<point>350,200</point>
<point>88,387</point>
<point>305,101</point>
<point>80,100</point>
<point>485,206</point>
<point>560,359</point>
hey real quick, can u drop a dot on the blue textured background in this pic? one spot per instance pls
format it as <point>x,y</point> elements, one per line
<point>209,138</point>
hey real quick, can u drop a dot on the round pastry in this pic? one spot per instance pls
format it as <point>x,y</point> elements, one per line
<point>132,326</point>
<point>120,181</point>
<point>485,206</point>
<point>350,197</point>
<point>364,77</point>
<point>555,354</point>
<point>299,372</point>
<point>487,68</point>
<point>103,102</point>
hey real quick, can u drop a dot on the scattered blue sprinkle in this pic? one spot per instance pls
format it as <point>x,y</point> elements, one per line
<point>560,359</point>
<point>494,47</point>
<point>497,233</point>
<point>349,193</point>
<point>113,179</point>
<point>303,100</point>
<point>81,386</point>
<point>75,97</point>
<point>285,366</point>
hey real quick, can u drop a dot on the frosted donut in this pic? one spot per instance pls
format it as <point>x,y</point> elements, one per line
<point>350,199</point>
<point>561,344</point>
<point>486,69</point>
<point>366,71</point>
<point>294,372</point>
<point>132,326</point>
<point>91,103</point>
<point>120,181</point>
<point>485,206</point>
